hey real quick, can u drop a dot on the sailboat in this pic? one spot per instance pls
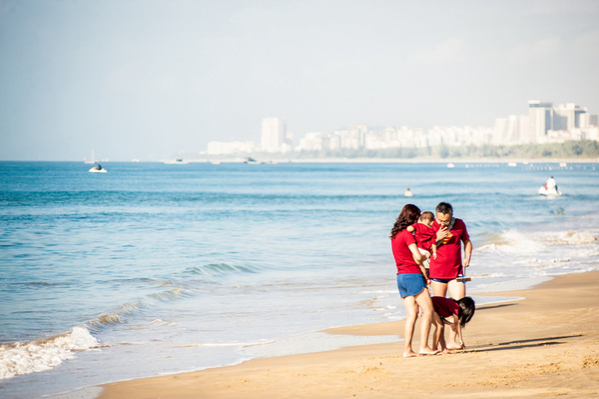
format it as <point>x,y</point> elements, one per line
<point>92,160</point>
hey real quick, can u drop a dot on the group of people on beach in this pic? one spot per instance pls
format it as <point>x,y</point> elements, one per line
<point>428,254</point>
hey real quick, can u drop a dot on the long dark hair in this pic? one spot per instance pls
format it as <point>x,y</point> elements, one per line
<point>466,310</point>
<point>408,216</point>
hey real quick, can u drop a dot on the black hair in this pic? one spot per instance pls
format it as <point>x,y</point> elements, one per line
<point>444,208</point>
<point>466,310</point>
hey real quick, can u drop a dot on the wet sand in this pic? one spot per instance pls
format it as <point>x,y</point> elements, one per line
<point>545,346</point>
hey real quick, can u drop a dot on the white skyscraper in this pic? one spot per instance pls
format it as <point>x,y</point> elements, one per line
<point>273,134</point>
<point>567,117</point>
<point>541,119</point>
<point>588,120</point>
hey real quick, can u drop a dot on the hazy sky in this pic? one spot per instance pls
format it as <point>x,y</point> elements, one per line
<point>145,79</point>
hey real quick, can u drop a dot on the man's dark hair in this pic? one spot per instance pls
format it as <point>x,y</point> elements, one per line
<point>444,208</point>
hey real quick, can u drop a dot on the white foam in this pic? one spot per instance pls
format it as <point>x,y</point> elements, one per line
<point>572,238</point>
<point>37,356</point>
<point>226,344</point>
<point>513,242</point>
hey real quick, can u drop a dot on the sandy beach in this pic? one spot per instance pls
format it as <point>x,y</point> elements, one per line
<point>546,345</point>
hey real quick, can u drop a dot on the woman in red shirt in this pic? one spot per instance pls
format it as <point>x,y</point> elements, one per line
<point>411,280</point>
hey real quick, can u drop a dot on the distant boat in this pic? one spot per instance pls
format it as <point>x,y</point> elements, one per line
<point>563,164</point>
<point>450,165</point>
<point>97,169</point>
<point>251,161</point>
<point>512,164</point>
<point>176,161</point>
<point>92,160</point>
<point>215,162</point>
<point>135,160</point>
<point>550,192</point>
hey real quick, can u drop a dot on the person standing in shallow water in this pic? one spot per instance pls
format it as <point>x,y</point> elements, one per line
<point>411,280</point>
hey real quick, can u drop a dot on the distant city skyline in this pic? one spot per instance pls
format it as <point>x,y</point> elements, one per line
<point>147,79</point>
<point>542,124</point>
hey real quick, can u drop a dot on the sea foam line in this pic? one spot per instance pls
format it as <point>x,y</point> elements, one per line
<point>17,359</point>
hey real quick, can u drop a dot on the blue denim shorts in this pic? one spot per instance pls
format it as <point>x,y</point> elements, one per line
<point>410,284</point>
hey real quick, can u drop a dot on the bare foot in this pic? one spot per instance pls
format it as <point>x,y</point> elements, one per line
<point>410,354</point>
<point>428,351</point>
<point>448,351</point>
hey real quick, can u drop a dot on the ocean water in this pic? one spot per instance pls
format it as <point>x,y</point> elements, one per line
<point>153,269</point>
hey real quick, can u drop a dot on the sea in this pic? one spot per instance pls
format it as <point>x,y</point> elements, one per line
<point>153,269</point>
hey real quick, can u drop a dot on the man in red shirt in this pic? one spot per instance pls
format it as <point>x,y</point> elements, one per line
<point>449,265</point>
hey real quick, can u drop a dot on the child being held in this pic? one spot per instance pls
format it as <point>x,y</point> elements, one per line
<point>425,236</point>
<point>453,313</point>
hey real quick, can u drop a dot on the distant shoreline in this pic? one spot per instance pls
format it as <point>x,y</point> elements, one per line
<point>403,160</point>
<point>350,160</point>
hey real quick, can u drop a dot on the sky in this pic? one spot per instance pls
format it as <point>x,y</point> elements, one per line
<point>149,79</point>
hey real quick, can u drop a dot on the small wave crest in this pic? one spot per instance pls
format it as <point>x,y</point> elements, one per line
<point>17,359</point>
<point>121,313</point>
<point>214,270</point>
<point>515,241</point>
<point>574,238</point>
<point>512,242</point>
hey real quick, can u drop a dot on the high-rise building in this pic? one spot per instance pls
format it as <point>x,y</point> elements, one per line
<point>356,133</point>
<point>588,120</point>
<point>273,134</point>
<point>567,117</point>
<point>541,119</point>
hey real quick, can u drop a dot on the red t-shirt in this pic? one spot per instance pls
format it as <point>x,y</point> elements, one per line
<point>401,252</point>
<point>424,236</point>
<point>445,307</point>
<point>448,264</point>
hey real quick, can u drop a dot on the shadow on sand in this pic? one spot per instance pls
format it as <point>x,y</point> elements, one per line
<point>526,343</point>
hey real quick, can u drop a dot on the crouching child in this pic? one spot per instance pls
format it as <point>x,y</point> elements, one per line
<point>455,314</point>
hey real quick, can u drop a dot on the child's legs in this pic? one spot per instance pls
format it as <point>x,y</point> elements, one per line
<point>427,255</point>
<point>438,338</point>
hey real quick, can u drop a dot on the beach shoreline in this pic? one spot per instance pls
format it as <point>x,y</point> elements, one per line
<point>506,160</point>
<point>545,345</point>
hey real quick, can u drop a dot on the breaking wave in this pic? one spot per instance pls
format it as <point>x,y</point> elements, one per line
<point>17,359</point>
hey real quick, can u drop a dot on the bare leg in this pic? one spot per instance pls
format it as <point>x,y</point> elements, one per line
<point>423,299</point>
<point>438,338</point>
<point>412,312</point>
<point>442,345</point>
<point>456,343</point>
<point>457,290</point>
<point>439,289</point>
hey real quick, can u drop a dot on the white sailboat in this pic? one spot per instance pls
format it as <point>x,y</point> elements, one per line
<point>92,160</point>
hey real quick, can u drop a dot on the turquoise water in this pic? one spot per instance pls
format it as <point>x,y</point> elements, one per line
<point>152,269</point>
